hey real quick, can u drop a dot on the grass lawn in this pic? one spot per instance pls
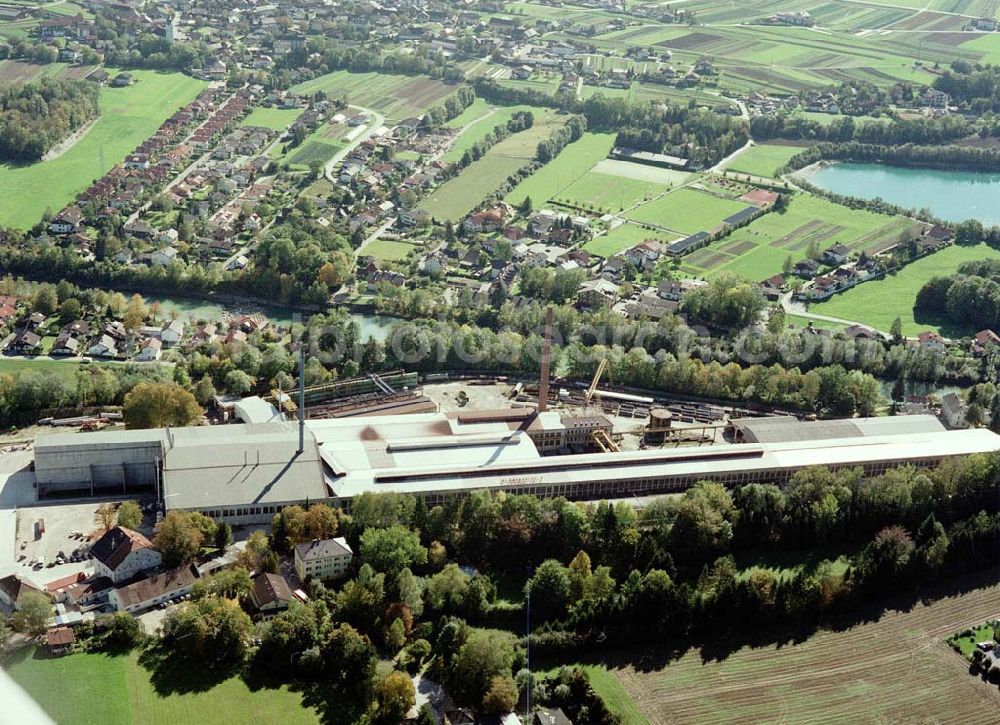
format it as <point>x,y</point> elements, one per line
<point>607,686</point>
<point>83,689</point>
<point>763,159</point>
<point>460,195</point>
<point>573,163</point>
<point>878,303</point>
<point>604,193</point>
<point>482,125</point>
<point>128,117</point>
<point>982,633</point>
<point>686,211</point>
<point>274,118</point>
<point>17,365</point>
<point>388,250</point>
<point>622,237</point>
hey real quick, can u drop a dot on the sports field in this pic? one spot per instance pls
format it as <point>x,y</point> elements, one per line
<point>458,196</point>
<point>84,689</point>
<point>128,116</point>
<point>893,668</point>
<point>763,159</point>
<point>759,250</point>
<point>396,96</point>
<point>880,302</point>
<point>274,118</point>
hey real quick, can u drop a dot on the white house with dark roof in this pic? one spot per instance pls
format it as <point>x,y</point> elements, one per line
<point>147,593</point>
<point>270,594</point>
<point>323,558</point>
<point>122,553</point>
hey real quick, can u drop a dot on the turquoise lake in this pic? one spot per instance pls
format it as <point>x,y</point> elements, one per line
<point>951,195</point>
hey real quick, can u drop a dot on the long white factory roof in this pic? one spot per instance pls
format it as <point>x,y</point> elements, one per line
<point>687,462</point>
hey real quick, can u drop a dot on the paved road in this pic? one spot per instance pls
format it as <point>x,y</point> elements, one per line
<point>374,235</point>
<point>362,137</point>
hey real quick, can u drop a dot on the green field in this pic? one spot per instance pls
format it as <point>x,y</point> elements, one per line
<point>622,237</point>
<point>17,365</point>
<point>878,303</point>
<point>483,124</point>
<point>604,193</point>
<point>312,150</point>
<point>460,195</point>
<point>396,96</point>
<point>85,689</point>
<point>274,118</point>
<point>686,211</point>
<point>128,117</point>
<point>388,250</point>
<point>564,170</point>
<point>608,687</point>
<point>763,159</point>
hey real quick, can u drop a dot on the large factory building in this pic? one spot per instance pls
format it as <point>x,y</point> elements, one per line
<point>244,473</point>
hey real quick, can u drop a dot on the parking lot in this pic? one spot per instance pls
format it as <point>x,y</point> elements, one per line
<point>69,531</point>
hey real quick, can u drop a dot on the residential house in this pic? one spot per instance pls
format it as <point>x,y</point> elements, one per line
<point>413,217</point>
<point>104,346</point>
<point>147,593</point>
<point>122,553</point>
<point>25,342</point>
<point>150,350</point>
<point>985,342</point>
<point>59,640</point>
<point>67,221</point>
<point>270,594</point>
<point>837,254</point>
<point>162,257</point>
<point>953,410</point>
<point>65,344</point>
<point>806,269</point>
<point>323,559</point>
<point>13,590</point>
<point>644,255</point>
<point>550,716</point>
<point>930,340</point>
<point>596,293</point>
<point>172,332</point>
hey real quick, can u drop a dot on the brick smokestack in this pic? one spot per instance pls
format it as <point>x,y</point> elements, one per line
<point>543,384</point>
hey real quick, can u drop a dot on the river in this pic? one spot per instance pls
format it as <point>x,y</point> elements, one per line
<point>374,326</point>
<point>951,195</point>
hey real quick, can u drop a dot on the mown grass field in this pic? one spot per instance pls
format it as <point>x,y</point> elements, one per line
<point>878,303</point>
<point>622,237</point>
<point>763,159</point>
<point>564,170</point>
<point>274,118</point>
<point>16,365</point>
<point>607,686</point>
<point>686,211</point>
<point>396,96</point>
<point>128,117</point>
<point>458,196</point>
<point>759,250</point>
<point>892,668</point>
<point>483,124</point>
<point>388,250</point>
<point>84,689</point>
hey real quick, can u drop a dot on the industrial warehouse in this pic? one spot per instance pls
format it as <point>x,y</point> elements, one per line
<point>244,473</point>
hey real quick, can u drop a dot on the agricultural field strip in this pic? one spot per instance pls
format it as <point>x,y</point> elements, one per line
<point>691,690</point>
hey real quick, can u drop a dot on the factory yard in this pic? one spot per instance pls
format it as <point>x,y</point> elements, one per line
<point>895,668</point>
